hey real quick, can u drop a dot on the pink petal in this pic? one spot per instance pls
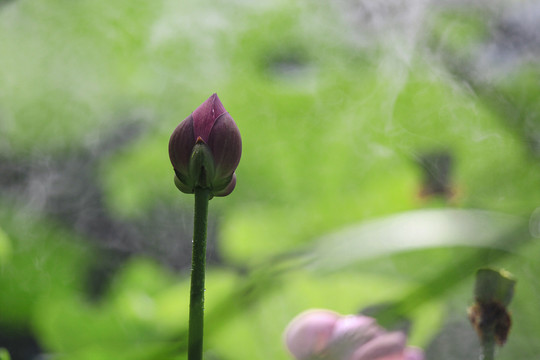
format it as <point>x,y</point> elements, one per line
<point>385,346</point>
<point>350,333</point>
<point>412,353</point>
<point>356,328</point>
<point>308,333</point>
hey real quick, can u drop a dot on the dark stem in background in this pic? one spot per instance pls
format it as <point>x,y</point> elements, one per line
<point>488,345</point>
<point>198,264</point>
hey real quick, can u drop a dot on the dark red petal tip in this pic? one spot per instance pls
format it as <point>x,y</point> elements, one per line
<point>205,116</point>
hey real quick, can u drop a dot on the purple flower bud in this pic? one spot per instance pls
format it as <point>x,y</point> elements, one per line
<point>205,149</point>
<point>325,335</point>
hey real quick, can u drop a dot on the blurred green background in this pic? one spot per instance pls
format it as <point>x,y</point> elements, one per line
<point>389,150</point>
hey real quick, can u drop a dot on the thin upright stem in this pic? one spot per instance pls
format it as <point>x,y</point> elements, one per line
<point>198,265</point>
<point>488,346</point>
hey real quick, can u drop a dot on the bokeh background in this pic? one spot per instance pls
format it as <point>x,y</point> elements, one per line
<point>390,148</point>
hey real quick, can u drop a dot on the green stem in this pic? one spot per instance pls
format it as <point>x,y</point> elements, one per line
<point>198,264</point>
<point>488,346</point>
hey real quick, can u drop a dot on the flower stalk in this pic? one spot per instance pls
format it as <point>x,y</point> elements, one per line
<point>204,150</point>
<point>488,345</point>
<point>198,266</point>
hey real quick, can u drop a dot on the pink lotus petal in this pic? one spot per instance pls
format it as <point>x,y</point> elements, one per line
<point>325,335</point>
<point>412,353</point>
<point>308,334</point>
<point>386,346</point>
<point>349,334</point>
<point>355,327</point>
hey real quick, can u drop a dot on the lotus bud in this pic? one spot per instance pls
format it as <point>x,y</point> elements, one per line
<point>205,150</point>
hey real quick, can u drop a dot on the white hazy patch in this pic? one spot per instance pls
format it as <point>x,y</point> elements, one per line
<point>176,23</point>
<point>514,42</point>
<point>411,231</point>
<point>393,26</point>
<point>394,22</point>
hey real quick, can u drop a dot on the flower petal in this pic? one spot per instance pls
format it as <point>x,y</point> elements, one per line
<point>357,328</point>
<point>228,189</point>
<point>205,116</point>
<point>350,333</point>
<point>412,353</point>
<point>180,146</point>
<point>185,188</point>
<point>385,346</point>
<point>226,145</point>
<point>308,334</point>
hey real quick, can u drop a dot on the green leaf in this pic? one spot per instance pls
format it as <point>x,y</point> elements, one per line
<point>5,247</point>
<point>415,230</point>
<point>4,355</point>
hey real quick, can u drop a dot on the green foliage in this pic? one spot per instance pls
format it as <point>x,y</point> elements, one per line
<point>460,31</point>
<point>5,247</point>
<point>46,263</point>
<point>132,322</point>
<point>4,355</point>
<point>333,133</point>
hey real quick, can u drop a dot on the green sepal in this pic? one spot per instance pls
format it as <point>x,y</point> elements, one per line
<point>180,185</point>
<point>494,286</point>
<point>219,186</point>
<point>201,166</point>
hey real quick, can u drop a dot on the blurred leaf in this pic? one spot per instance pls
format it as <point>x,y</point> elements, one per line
<point>4,355</point>
<point>410,231</point>
<point>47,262</point>
<point>86,67</point>
<point>5,247</point>
<point>460,30</point>
<point>125,316</point>
<point>142,317</point>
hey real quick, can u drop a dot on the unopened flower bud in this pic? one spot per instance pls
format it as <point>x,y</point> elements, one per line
<point>494,286</point>
<point>205,150</point>
<point>489,315</point>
